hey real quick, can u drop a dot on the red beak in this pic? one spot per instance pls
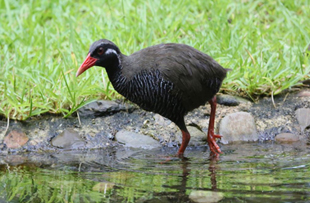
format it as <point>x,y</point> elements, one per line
<point>88,63</point>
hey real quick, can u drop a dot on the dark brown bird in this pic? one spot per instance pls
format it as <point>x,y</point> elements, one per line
<point>168,79</point>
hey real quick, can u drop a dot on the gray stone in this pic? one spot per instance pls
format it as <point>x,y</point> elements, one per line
<point>286,138</point>
<point>197,136</point>
<point>239,126</point>
<point>135,140</point>
<point>103,107</point>
<point>229,100</point>
<point>202,196</point>
<point>68,139</point>
<point>303,117</point>
<point>162,121</point>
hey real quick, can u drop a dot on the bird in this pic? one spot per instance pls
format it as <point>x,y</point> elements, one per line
<point>169,79</point>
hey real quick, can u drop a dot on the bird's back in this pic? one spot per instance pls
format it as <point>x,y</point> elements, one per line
<point>195,76</point>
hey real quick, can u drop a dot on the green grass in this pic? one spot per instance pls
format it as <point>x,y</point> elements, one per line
<point>43,43</point>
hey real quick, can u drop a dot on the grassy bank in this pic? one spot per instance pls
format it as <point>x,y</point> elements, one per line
<point>42,44</point>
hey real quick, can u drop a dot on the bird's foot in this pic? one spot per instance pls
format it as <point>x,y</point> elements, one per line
<point>214,156</point>
<point>175,157</point>
<point>212,143</point>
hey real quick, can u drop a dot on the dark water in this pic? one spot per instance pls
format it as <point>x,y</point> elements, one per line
<point>244,173</point>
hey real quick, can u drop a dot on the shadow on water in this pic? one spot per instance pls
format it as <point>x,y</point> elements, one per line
<point>244,173</point>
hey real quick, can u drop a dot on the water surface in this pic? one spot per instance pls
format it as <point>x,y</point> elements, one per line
<point>244,173</point>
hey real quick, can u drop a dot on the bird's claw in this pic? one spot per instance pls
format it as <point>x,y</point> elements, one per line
<point>217,136</point>
<point>212,143</point>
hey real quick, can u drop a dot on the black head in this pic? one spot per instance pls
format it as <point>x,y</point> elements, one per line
<point>102,53</point>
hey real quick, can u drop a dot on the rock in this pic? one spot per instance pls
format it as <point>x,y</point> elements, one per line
<point>15,139</point>
<point>201,196</point>
<point>16,160</point>
<point>136,140</point>
<point>286,138</point>
<point>197,136</point>
<point>304,93</point>
<point>303,117</point>
<point>103,107</point>
<point>162,121</point>
<point>68,139</point>
<point>229,100</point>
<point>239,126</point>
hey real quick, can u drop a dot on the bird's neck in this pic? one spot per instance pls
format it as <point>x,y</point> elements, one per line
<point>116,77</point>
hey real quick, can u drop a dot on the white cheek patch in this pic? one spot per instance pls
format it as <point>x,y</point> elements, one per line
<point>110,51</point>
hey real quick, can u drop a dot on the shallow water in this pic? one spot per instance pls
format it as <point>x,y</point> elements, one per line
<point>244,173</point>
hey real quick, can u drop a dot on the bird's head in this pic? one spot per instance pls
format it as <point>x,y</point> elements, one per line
<point>102,53</point>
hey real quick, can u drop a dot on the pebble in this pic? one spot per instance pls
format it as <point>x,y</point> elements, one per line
<point>239,126</point>
<point>68,139</point>
<point>305,93</point>
<point>303,117</point>
<point>15,139</point>
<point>162,121</point>
<point>202,196</point>
<point>135,140</point>
<point>286,138</point>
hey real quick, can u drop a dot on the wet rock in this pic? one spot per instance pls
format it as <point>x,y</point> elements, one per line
<point>197,136</point>
<point>229,100</point>
<point>303,117</point>
<point>201,196</point>
<point>68,139</point>
<point>162,121</point>
<point>103,107</point>
<point>239,126</point>
<point>136,140</point>
<point>16,159</point>
<point>15,139</point>
<point>286,138</point>
<point>103,187</point>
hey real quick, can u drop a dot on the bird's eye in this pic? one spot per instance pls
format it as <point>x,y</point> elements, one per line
<point>100,51</point>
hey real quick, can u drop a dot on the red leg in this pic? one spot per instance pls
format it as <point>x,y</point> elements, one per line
<point>185,140</point>
<point>211,136</point>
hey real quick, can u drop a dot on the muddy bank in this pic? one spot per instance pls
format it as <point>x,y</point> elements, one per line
<point>101,125</point>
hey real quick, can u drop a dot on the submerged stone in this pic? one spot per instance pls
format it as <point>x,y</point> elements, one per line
<point>286,138</point>
<point>136,140</point>
<point>202,196</point>
<point>15,139</point>
<point>68,139</point>
<point>303,117</point>
<point>239,126</point>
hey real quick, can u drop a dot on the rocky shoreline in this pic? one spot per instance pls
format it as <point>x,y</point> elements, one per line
<point>106,124</point>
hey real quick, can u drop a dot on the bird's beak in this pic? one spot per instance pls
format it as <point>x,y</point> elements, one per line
<point>88,63</point>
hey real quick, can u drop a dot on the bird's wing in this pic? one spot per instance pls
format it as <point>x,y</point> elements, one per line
<point>195,74</point>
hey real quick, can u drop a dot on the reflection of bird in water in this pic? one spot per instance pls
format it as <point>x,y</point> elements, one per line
<point>181,194</point>
<point>212,168</point>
